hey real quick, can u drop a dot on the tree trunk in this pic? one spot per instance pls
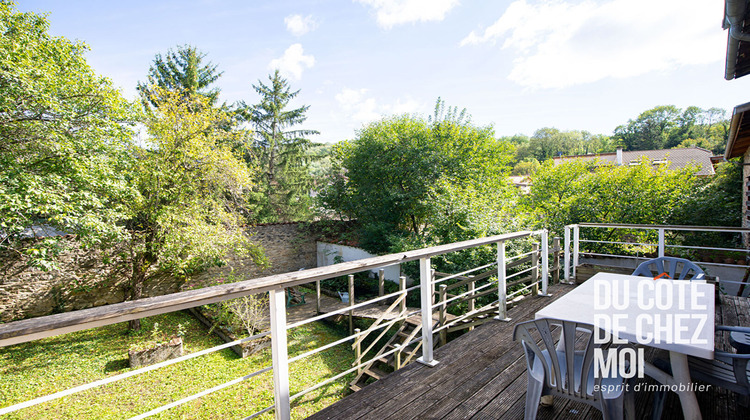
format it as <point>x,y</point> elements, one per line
<point>136,288</point>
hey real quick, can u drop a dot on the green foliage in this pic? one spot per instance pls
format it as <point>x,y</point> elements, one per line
<point>62,137</point>
<point>58,363</point>
<point>280,152</point>
<point>665,127</point>
<point>188,213</point>
<point>576,192</point>
<point>394,177</point>
<point>181,71</point>
<point>716,200</point>
<point>547,143</point>
<point>526,167</point>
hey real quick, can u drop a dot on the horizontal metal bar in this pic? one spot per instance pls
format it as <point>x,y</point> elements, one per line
<point>346,339</point>
<point>200,394</point>
<point>618,243</point>
<point>354,368</point>
<point>522,289</point>
<point>520,255</point>
<point>46,326</point>
<point>519,273</point>
<point>710,248</point>
<point>465,316</point>
<point>349,308</point>
<point>519,281</point>
<point>448,301</point>
<point>612,255</point>
<point>257,413</point>
<point>463,273</point>
<point>668,227</point>
<point>105,381</point>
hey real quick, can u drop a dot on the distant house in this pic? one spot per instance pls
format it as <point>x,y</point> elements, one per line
<point>738,65</point>
<point>739,145</point>
<point>675,158</point>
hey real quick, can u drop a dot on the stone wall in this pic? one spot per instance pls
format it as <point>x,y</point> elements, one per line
<point>88,278</point>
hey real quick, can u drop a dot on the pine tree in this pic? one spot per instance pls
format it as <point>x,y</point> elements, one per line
<point>280,151</point>
<point>181,71</point>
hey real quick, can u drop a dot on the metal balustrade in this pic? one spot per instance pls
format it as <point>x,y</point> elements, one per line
<point>572,243</point>
<point>48,326</point>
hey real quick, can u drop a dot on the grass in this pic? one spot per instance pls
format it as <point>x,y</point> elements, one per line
<point>54,364</point>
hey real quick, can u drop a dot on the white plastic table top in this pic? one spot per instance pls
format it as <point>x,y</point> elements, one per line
<point>683,320</point>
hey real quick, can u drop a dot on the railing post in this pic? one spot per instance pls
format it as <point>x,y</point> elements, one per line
<point>351,303</point>
<point>502,295</point>
<point>280,358</point>
<point>535,269</point>
<point>661,242</point>
<point>402,288</point>
<point>358,352</point>
<point>556,260</point>
<point>576,237</point>
<point>566,271</point>
<point>317,297</point>
<point>381,285</point>
<point>545,262</point>
<point>426,290</point>
<point>472,287</point>
<point>443,307</point>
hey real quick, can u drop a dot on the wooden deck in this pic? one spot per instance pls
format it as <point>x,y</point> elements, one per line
<point>482,375</point>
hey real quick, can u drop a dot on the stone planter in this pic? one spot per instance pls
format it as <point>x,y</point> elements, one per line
<point>159,353</point>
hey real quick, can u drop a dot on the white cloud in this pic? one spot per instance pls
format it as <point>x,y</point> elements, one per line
<point>360,108</point>
<point>293,62</point>
<point>299,25</point>
<point>397,12</point>
<point>563,43</point>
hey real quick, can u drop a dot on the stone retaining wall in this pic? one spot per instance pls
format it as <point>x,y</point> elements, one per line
<point>88,278</point>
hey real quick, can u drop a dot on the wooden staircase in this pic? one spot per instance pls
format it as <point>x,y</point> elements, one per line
<point>396,353</point>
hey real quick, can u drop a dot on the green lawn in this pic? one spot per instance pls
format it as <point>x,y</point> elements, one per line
<point>54,364</point>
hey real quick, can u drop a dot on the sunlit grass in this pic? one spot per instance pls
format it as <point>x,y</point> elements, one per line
<point>50,365</point>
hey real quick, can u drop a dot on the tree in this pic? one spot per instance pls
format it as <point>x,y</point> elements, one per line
<point>665,127</point>
<point>63,138</point>
<point>182,71</point>
<point>650,130</point>
<point>188,213</point>
<point>576,192</point>
<point>392,176</point>
<point>548,142</point>
<point>279,150</point>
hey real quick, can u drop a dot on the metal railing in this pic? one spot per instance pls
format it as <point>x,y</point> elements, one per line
<point>32,329</point>
<point>572,243</point>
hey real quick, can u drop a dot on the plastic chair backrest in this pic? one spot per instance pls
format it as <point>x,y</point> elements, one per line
<point>670,265</point>
<point>551,365</point>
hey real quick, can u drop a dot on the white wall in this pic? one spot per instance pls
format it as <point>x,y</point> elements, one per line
<point>328,252</point>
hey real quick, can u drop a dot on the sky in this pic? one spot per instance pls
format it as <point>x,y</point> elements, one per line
<point>516,65</point>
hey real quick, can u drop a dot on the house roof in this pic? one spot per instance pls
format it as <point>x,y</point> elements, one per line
<point>677,158</point>
<point>739,132</point>
<point>736,13</point>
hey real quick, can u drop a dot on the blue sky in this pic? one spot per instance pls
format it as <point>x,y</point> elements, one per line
<point>517,65</point>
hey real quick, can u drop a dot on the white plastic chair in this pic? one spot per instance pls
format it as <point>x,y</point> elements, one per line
<point>550,365</point>
<point>670,265</point>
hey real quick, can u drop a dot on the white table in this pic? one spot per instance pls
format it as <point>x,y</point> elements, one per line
<point>691,310</point>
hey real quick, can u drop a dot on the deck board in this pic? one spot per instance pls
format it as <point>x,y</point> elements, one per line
<point>482,375</point>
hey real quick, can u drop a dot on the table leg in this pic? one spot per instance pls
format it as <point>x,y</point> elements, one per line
<point>680,375</point>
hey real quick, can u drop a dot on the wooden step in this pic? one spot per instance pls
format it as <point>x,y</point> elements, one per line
<point>375,372</point>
